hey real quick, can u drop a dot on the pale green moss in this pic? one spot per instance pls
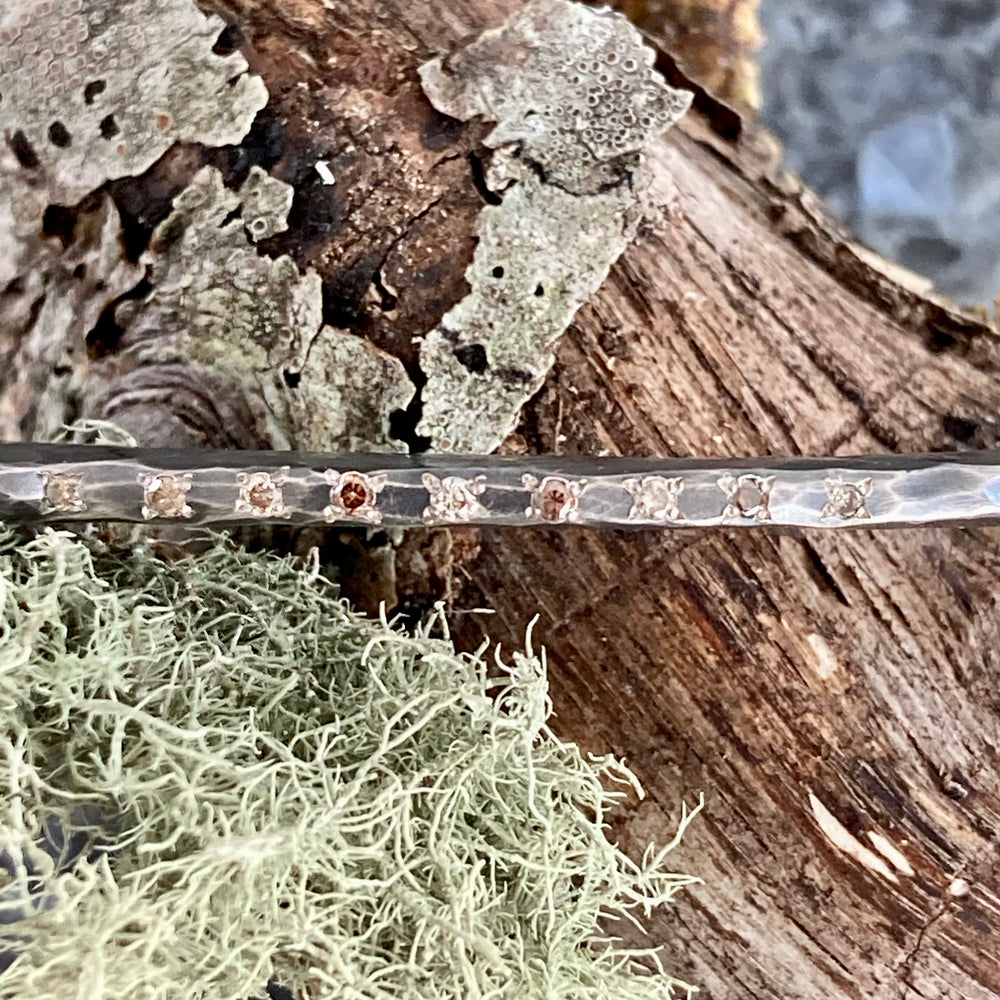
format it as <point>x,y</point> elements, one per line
<point>248,779</point>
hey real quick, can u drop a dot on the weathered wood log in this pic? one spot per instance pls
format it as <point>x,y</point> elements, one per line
<point>833,696</point>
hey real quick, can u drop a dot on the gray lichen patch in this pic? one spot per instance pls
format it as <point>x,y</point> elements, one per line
<point>52,296</point>
<point>266,203</point>
<point>579,97</point>
<point>542,253</point>
<point>22,208</point>
<point>575,100</point>
<point>252,321</point>
<point>347,392</point>
<point>98,89</point>
<point>216,300</point>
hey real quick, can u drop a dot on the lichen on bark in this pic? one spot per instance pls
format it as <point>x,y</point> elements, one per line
<point>573,110</point>
<point>252,322</point>
<point>97,89</point>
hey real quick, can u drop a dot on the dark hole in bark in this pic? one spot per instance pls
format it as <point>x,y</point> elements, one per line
<point>938,341</point>
<point>387,300</point>
<point>959,428</point>
<point>292,379</point>
<point>92,90</point>
<point>59,221</point>
<point>498,272</point>
<point>441,131</point>
<point>23,150</point>
<point>539,291</point>
<point>59,135</point>
<point>479,181</point>
<point>403,423</point>
<point>105,335</point>
<point>263,146</point>
<point>229,40</point>
<point>103,338</point>
<point>109,127</point>
<point>473,357</point>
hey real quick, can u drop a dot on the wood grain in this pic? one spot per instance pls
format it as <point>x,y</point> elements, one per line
<point>860,668</point>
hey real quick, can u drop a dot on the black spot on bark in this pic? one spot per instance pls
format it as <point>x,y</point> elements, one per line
<point>479,180</point>
<point>93,90</point>
<point>109,127</point>
<point>229,40</point>
<point>59,221</point>
<point>473,357</point>
<point>23,150</point>
<point>262,147</point>
<point>440,132</point>
<point>59,135</point>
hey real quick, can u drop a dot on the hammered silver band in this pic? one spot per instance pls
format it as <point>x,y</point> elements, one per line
<point>55,483</point>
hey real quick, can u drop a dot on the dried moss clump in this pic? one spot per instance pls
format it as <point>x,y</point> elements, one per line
<point>216,773</point>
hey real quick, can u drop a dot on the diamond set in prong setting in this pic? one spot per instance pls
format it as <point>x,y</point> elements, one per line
<point>62,492</point>
<point>553,498</point>
<point>747,496</point>
<point>353,496</point>
<point>165,495</point>
<point>846,500</point>
<point>262,494</point>
<point>654,498</point>
<point>453,499</point>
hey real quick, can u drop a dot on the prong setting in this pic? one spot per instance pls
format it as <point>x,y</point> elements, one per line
<point>453,499</point>
<point>846,499</point>
<point>62,492</point>
<point>354,496</point>
<point>748,496</point>
<point>164,494</point>
<point>553,498</point>
<point>654,498</point>
<point>262,493</point>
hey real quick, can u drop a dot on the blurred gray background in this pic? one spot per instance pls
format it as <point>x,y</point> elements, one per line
<point>891,110</point>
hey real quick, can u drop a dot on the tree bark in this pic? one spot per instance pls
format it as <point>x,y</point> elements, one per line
<point>797,680</point>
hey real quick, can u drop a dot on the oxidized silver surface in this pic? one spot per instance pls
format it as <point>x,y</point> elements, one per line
<point>56,483</point>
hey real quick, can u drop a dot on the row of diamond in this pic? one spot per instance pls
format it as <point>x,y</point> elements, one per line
<point>451,499</point>
<point>656,498</point>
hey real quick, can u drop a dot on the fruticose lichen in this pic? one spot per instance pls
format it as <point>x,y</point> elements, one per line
<point>92,90</point>
<point>216,774</point>
<point>573,111</point>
